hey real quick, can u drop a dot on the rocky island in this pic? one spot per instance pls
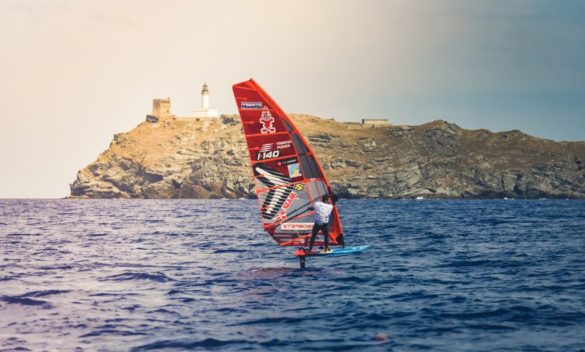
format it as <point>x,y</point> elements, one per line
<point>170,157</point>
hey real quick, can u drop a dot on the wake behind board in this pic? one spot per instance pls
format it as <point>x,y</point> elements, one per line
<point>334,252</point>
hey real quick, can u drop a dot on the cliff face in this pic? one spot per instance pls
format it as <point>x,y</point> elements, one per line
<point>207,158</point>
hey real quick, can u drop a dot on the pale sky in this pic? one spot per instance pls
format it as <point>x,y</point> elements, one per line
<point>74,73</point>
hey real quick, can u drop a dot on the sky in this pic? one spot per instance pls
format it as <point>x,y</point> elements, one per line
<point>74,73</point>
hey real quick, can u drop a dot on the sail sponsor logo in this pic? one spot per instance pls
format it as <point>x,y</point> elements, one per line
<point>300,186</point>
<point>298,226</point>
<point>272,146</point>
<point>283,145</point>
<point>251,105</point>
<point>287,161</point>
<point>294,170</point>
<point>267,155</point>
<point>299,242</point>
<point>266,147</point>
<point>288,202</point>
<point>267,122</point>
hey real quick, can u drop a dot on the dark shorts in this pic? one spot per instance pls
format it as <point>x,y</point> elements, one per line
<point>323,228</point>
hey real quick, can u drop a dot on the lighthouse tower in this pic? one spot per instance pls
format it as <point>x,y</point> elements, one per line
<point>205,111</point>
<point>204,97</point>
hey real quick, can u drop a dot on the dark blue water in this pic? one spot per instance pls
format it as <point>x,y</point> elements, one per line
<point>140,275</point>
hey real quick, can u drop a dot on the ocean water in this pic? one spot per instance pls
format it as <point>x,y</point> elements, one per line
<point>174,275</point>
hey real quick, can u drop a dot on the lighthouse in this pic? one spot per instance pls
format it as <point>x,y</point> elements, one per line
<point>204,97</point>
<point>204,110</point>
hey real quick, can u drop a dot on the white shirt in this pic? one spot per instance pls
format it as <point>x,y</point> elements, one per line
<point>322,212</point>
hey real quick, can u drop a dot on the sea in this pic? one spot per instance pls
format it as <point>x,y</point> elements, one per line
<point>199,275</point>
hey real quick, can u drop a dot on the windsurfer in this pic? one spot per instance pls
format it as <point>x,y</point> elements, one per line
<point>322,211</point>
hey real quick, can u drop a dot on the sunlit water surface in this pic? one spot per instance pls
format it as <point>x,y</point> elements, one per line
<point>117,275</point>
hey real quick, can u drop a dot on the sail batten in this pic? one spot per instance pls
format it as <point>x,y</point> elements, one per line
<point>287,175</point>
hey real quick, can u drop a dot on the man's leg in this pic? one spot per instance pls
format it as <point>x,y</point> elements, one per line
<point>325,230</point>
<point>313,235</point>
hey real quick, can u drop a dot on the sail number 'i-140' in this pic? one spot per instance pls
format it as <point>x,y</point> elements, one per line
<point>268,155</point>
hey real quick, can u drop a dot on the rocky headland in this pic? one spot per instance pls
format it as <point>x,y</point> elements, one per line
<point>171,157</point>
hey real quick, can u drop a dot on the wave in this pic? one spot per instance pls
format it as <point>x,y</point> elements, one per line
<point>515,312</point>
<point>205,343</point>
<point>230,250</point>
<point>44,293</point>
<point>24,301</point>
<point>130,276</point>
<point>284,320</point>
<point>97,234</point>
<point>55,267</point>
<point>113,331</point>
<point>19,234</point>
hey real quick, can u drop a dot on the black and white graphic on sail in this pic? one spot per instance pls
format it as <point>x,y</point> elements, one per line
<point>276,197</point>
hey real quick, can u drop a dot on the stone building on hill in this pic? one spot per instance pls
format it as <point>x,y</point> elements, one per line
<point>161,107</point>
<point>375,122</point>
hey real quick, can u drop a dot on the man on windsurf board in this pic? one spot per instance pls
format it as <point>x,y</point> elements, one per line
<point>322,211</point>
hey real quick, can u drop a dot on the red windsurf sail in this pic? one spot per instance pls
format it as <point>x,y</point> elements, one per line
<point>287,176</point>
